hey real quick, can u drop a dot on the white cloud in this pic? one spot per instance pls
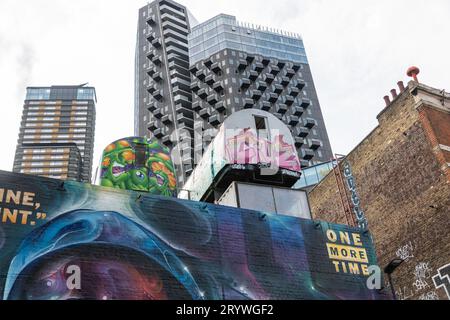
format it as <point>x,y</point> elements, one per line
<point>357,51</point>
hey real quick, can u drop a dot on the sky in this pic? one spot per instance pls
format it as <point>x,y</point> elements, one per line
<point>357,51</point>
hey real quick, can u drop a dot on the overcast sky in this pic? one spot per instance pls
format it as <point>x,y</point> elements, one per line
<point>357,50</point>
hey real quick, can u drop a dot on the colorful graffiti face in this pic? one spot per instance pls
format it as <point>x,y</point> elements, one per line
<point>167,248</point>
<point>119,168</point>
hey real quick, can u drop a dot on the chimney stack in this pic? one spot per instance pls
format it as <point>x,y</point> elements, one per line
<point>413,72</point>
<point>394,94</point>
<point>387,100</point>
<point>401,86</point>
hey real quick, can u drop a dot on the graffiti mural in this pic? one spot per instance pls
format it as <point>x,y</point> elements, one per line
<point>245,147</point>
<point>154,172</point>
<point>68,240</point>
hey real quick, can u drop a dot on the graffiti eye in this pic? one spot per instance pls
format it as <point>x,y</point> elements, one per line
<point>140,175</point>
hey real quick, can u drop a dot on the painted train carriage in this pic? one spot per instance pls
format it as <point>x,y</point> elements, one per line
<point>138,164</point>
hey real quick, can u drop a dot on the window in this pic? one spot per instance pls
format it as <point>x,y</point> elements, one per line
<point>262,133</point>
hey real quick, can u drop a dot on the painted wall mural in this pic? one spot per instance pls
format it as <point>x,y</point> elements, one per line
<point>239,142</point>
<point>121,167</point>
<point>68,240</point>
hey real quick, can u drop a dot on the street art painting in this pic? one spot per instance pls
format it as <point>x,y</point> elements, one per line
<point>138,164</point>
<point>69,240</point>
<point>240,142</point>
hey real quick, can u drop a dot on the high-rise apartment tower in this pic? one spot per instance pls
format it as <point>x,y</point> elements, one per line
<point>56,137</point>
<point>237,65</point>
<point>162,81</point>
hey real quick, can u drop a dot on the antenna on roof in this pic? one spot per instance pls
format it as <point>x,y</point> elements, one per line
<point>82,85</point>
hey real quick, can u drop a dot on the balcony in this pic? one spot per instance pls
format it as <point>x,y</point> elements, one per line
<point>158,113</point>
<point>156,43</point>
<point>297,111</point>
<point>210,79</point>
<point>265,61</point>
<point>259,67</point>
<point>256,94</point>
<point>212,99</point>
<point>301,132</point>
<point>273,97</point>
<point>268,78</point>
<point>307,154</point>
<point>249,58</point>
<point>281,108</point>
<point>195,86</point>
<point>167,119</point>
<point>193,69</point>
<point>277,88</point>
<point>158,76</point>
<point>204,113</point>
<point>166,141</point>
<point>242,64</point>
<point>280,64</point>
<point>150,53</point>
<point>152,106</point>
<point>208,63</point>
<point>186,120</point>
<point>290,73</point>
<point>305,103</point>
<point>150,69</point>
<point>169,23</point>
<point>274,70</point>
<point>166,8</point>
<point>220,106</point>
<point>315,144</point>
<point>261,86</point>
<point>292,120</point>
<point>299,142</point>
<point>309,123</point>
<point>294,91</point>
<point>296,67</point>
<point>184,100</point>
<point>245,83</point>
<point>285,81</point>
<point>197,106</point>
<point>265,106</point>
<point>289,100</point>
<point>167,17</point>
<point>151,88</point>
<point>218,86</point>
<point>157,60</point>
<point>215,67</point>
<point>158,95</point>
<point>200,74</point>
<point>159,133</point>
<point>248,103</point>
<point>153,125</point>
<point>253,75</point>
<point>151,19</point>
<point>180,109</point>
<point>202,93</point>
<point>215,120</point>
<point>300,84</point>
<point>150,35</point>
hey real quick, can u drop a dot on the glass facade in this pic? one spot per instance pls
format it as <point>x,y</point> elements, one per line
<point>61,93</point>
<point>313,175</point>
<point>224,31</point>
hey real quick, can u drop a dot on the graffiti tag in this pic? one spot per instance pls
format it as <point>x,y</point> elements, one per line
<point>442,279</point>
<point>357,210</point>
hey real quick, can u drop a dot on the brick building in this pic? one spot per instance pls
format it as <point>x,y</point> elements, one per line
<point>401,186</point>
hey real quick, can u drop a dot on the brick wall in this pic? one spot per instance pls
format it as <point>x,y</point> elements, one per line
<point>402,180</point>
